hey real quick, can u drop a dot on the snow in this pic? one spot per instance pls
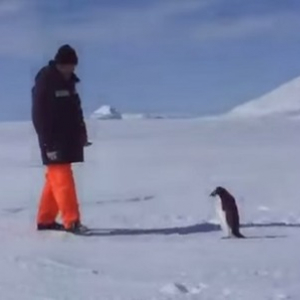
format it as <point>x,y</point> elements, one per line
<point>132,116</point>
<point>106,112</point>
<point>283,101</point>
<point>145,184</point>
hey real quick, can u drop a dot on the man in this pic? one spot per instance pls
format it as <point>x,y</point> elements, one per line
<point>58,121</point>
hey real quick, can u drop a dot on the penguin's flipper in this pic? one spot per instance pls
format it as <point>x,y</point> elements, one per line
<point>230,220</point>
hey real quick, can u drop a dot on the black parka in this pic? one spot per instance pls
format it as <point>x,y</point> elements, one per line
<point>57,116</point>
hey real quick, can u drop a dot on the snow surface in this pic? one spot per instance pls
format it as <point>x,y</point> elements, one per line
<point>150,181</point>
<point>284,100</point>
<point>106,112</point>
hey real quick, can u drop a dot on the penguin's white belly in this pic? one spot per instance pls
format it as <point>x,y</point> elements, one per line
<point>222,218</point>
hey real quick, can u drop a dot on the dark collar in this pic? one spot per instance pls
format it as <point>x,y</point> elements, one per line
<point>52,65</point>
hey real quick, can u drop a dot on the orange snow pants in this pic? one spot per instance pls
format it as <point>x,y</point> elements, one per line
<point>59,195</point>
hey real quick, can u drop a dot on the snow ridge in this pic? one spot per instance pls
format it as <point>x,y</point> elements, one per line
<point>283,101</point>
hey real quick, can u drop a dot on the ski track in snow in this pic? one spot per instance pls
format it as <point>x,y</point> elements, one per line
<point>156,234</point>
<point>52,265</point>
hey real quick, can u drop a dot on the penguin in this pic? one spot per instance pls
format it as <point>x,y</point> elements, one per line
<point>227,213</point>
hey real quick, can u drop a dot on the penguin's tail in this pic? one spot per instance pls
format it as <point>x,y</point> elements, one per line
<point>239,235</point>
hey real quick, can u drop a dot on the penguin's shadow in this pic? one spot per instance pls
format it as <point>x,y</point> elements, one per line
<point>266,237</point>
<point>258,237</point>
<point>272,224</point>
<point>185,230</point>
<point>269,225</point>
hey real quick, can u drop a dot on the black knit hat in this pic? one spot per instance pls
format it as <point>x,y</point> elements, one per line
<point>66,55</point>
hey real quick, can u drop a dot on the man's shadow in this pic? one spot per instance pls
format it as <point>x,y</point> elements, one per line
<point>184,230</point>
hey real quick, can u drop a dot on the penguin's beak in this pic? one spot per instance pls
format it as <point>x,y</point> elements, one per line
<point>213,194</point>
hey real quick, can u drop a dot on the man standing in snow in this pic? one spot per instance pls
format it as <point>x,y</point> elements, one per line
<point>58,121</point>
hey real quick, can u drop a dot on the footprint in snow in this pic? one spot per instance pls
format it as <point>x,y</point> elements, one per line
<point>226,293</point>
<point>263,208</point>
<point>174,288</point>
<point>14,210</point>
<point>282,297</point>
<point>128,200</point>
<point>180,288</point>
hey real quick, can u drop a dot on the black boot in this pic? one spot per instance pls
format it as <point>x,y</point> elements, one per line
<point>51,226</point>
<point>77,227</point>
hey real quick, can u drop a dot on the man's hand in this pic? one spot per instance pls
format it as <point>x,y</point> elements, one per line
<point>85,141</point>
<point>52,155</point>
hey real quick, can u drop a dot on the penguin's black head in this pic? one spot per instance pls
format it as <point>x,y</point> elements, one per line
<point>218,191</point>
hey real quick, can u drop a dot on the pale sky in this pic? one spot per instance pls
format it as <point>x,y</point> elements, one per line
<point>188,56</point>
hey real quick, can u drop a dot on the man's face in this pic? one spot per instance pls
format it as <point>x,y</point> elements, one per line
<point>66,70</point>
